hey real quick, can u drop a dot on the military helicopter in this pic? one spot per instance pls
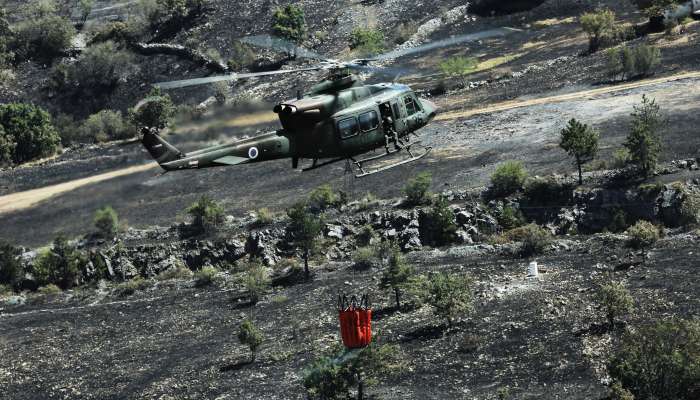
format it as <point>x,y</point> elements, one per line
<point>338,119</point>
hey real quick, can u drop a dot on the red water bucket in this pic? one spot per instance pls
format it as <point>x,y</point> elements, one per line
<point>355,322</point>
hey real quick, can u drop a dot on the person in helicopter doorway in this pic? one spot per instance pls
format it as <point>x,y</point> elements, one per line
<point>390,134</point>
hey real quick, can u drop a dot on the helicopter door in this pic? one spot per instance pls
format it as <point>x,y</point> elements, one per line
<point>399,121</point>
<point>413,112</point>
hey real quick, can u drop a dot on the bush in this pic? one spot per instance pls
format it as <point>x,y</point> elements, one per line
<point>11,270</point>
<point>155,111</point>
<point>323,198</point>
<point>49,290</point>
<point>304,229</point>
<point>508,178</point>
<point>450,295</point>
<point>42,39</point>
<point>366,236</point>
<point>130,287</point>
<point>256,282</point>
<point>205,276</point>
<point>289,23</point>
<point>615,300</point>
<point>95,75</point>
<point>106,221</point>
<point>643,235</point>
<point>621,157</point>
<point>439,227</point>
<point>241,56</point>
<point>107,125</point>
<point>690,208</point>
<point>207,214</point>
<point>26,132</point>
<point>647,58</point>
<point>644,139</point>
<point>180,271</point>
<point>250,335</point>
<point>547,191</point>
<point>404,31</point>
<point>396,276</point>
<point>629,63</point>
<point>417,189</point>
<point>459,67</point>
<point>511,218</point>
<point>367,202</point>
<point>660,361</point>
<point>599,26</point>
<point>367,41</point>
<point>365,258</point>
<point>617,392</point>
<point>159,12</point>
<point>533,238</point>
<point>59,265</point>
<point>618,222</point>
<point>263,217</point>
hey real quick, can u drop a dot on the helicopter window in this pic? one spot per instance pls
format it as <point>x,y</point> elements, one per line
<point>369,121</point>
<point>348,128</point>
<point>411,107</point>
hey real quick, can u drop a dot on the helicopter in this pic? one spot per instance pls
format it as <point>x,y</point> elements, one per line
<point>338,119</point>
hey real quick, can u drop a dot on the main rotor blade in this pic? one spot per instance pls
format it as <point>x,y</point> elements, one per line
<point>231,77</point>
<point>472,37</point>
<point>279,44</point>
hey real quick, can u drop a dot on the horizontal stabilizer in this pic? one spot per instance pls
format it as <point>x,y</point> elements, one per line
<point>231,160</point>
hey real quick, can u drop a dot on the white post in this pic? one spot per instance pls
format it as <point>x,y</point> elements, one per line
<point>532,270</point>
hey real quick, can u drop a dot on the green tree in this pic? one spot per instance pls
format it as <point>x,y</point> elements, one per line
<point>43,38</point>
<point>396,276</point>
<point>644,139</point>
<point>155,111</point>
<point>304,228</point>
<point>207,214</point>
<point>323,198</point>
<point>85,7</point>
<point>450,295</point>
<point>508,178</point>
<point>27,131</point>
<point>106,125</point>
<point>106,221</point>
<point>615,300</point>
<point>459,67</point>
<point>256,282</point>
<point>417,189</point>
<point>60,265</point>
<point>660,361</point>
<point>289,23</point>
<point>646,59</point>
<point>10,266</point>
<point>599,26</point>
<point>614,63</point>
<point>581,142</point>
<point>439,227</point>
<point>251,336</point>
<point>367,41</point>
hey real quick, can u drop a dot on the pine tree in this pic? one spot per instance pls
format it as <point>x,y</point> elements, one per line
<point>305,229</point>
<point>644,140</point>
<point>396,276</point>
<point>581,142</point>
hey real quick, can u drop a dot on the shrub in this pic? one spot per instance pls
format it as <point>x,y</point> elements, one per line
<point>180,271</point>
<point>43,38</point>
<point>256,282</point>
<point>27,133</point>
<point>621,157</point>
<point>85,7</point>
<point>107,125</point>
<point>599,26</point>
<point>263,217</point>
<point>59,265</point>
<point>511,218</point>
<point>205,276</point>
<point>207,214</point>
<point>49,290</point>
<point>130,287</point>
<point>367,201</point>
<point>367,41</point>
<point>323,198</point>
<point>439,227</point>
<point>106,221</point>
<point>617,392</point>
<point>366,236</point>
<point>365,258</point>
<point>508,178</point>
<point>159,12</point>
<point>634,62</point>
<point>581,142</point>
<point>614,63</point>
<point>396,276</point>
<point>690,209</point>
<point>644,139</point>
<point>251,336</point>
<point>647,58</point>
<point>404,31</point>
<point>618,222</point>
<point>643,235</point>
<point>155,111</point>
<point>533,238</point>
<point>289,23</point>
<point>417,189</point>
<point>241,56</point>
<point>615,300</point>
<point>660,361</point>
<point>546,191</point>
<point>10,267</point>
<point>459,67</point>
<point>450,295</point>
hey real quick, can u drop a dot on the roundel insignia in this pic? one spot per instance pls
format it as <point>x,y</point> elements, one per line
<point>253,153</point>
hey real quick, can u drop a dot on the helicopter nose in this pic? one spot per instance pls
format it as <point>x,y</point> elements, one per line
<point>430,108</point>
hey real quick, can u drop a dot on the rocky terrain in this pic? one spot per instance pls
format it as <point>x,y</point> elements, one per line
<point>539,337</point>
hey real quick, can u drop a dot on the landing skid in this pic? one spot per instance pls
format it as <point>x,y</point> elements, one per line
<point>365,172</point>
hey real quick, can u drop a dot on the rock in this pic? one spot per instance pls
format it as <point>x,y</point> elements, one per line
<point>409,239</point>
<point>259,245</point>
<point>334,231</point>
<point>464,217</point>
<point>464,237</point>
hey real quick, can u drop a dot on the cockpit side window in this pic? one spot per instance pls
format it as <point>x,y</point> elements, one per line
<point>369,121</point>
<point>348,128</point>
<point>411,106</point>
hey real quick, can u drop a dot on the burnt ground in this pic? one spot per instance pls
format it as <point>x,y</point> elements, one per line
<point>541,338</point>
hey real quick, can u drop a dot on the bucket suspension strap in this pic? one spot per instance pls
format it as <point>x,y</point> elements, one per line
<point>351,303</point>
